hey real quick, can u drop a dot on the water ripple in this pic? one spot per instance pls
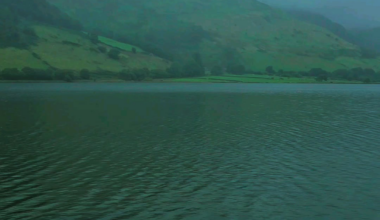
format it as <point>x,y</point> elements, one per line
<point>257,154</point>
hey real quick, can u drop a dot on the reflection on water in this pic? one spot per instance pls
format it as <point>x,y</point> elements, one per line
<point>157,151</point>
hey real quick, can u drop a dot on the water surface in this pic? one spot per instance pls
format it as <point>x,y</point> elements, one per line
<point>189,151</point>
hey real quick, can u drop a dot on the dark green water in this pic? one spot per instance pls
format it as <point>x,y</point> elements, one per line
<point>189,151</point>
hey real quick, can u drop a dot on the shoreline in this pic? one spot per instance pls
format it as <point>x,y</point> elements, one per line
<point>169,82</point>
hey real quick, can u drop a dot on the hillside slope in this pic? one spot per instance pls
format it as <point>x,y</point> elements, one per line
<point>366,39</point>
<point>63,49</point>
<point>324,22</point>
<point>370,37</point>
<point>37,35</point>
<point>221,30</point>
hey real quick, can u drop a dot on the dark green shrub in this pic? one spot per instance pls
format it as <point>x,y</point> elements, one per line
<point>141,74</point>
<point>36,56</point>
<point>127,75</point>
<point>270,70</point>
<point>84,74</point>
<point>317,72</point>
<point>341,74</point>
<point>64,75</point>
<point>175,70</point>
<point>217,70</point>
<point>114,54</point>
<point>93,38</point>
<point>69,78</point>
<point>102,49</point>
<point>236,69</point>
<point>11,74</point>
<point>29,32</point>
<point>134,50</point>
<point>37,74</point>
<point>159,74</point>
<point>193,69</point>
<point>367,80</point>
<point>71,43</point>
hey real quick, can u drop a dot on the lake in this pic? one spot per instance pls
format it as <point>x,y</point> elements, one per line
<point>189,151</point>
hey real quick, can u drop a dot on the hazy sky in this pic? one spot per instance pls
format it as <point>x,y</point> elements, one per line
<point>362,4</point>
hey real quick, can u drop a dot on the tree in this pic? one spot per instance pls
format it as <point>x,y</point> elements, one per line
<point>159,74</point>
<point>93,38</point>
<point>357,73</point>
<point>175,70</point>
<point>234,68</point>
<point>114,54</point>
<point>198,59</point>
<point>69,78</point>
<point>141,74</point>
<point>67,75</point>
<point>321,78</point>
<point>367,80</point>
<point>319,74</point>
<point>11,74</point>
<point>340,74</point>
<point>217,70</point>
<point>270,70</point>
<point>102,49</point>
<point>85,74</point>
<point>193,69</point>
<point>127,75</point>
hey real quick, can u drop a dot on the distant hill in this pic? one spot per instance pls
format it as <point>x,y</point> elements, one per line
<point>367,39</point>
<point>370,38</point>
<point>322,21</point>
<point>349,13</point>
<point>36,34</point>
<point>361,15</point>
<point>222,31</point>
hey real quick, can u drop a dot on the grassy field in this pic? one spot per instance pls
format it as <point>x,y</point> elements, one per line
<point>251,78</point>
<point>117,44</point>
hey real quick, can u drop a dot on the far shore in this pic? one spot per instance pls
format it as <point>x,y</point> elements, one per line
<point>116,81</point>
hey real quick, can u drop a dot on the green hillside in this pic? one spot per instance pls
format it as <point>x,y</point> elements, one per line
<point>222,31</point>
<point>39,39</point>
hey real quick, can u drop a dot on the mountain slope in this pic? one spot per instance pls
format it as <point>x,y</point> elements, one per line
<point>324,22</point>
<point>243,31</point>
<point>37,35</point>
<point>370,38</point>
<point>366,39</point>
<point>349,13</point>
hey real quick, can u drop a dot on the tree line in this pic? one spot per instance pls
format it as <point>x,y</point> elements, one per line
<point>180,70</point>
<point>365,75</point>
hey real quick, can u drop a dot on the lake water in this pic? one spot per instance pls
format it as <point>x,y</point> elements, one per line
<point>189,151</point>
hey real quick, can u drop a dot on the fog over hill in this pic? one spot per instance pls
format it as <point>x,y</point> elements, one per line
<point>350,13</point>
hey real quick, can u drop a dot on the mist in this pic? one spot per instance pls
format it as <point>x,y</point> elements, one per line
<point>349,13</point>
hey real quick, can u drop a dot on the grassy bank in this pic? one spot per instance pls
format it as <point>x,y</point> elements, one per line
<point>251,78</point>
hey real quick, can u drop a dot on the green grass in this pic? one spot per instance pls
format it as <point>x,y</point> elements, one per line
<point>117,44</point>
<point>251,78</point>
